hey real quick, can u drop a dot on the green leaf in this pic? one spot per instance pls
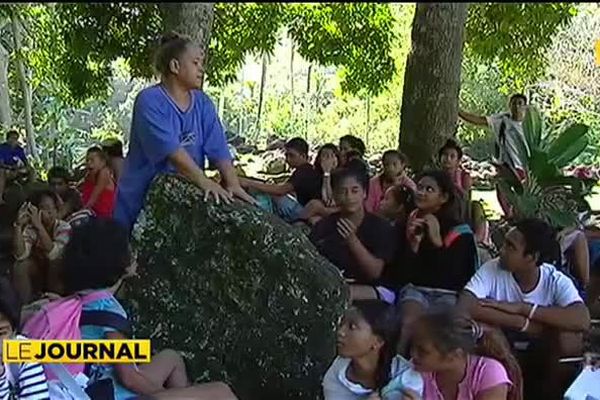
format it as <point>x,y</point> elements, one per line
<point>541,167</point>
<point>532,127</point>
<point>568,145</point>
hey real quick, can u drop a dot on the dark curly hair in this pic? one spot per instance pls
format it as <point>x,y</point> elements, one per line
<point>540,239</point>
<point>449,215</point>
<point>96,256</point>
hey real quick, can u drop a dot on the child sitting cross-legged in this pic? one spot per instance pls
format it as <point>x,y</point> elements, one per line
<point>97,256</point>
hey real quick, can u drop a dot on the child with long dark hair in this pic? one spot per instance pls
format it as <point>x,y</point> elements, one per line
<point>440,254</point>
<point>459,360</point>
<point>394,174</point>
<point>367,364</point>
<point>326,161</point>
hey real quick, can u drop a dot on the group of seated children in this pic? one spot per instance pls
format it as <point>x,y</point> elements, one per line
<point>408,245</point>
<point>500,334</point>
<point>451,358</point>
<point>44,222</point>
<point>96,257</point>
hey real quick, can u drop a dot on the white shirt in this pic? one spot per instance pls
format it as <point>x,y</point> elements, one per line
<point>553,289</point>
<point>336,385</point>
<point>509,148</point>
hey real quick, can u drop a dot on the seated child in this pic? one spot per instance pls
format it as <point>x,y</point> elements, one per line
<point>59,180</point>
<point>351,147</point>
<point>444,351</point>
<point>326,161</point>
<point>97,256</point>
<point>25,381</point>
<point>397,204</point>
<point>357,242</point>
<point>367,364</point>
<point>393,173</point>
<point>305,182</point>
<point>537,306</point>
<point>13,162</point>
<point>39,240</point>
<point>98,189</point>
<point>114,151</point>
<point>450,156</point>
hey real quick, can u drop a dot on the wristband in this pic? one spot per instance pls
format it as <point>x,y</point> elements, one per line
<point>524,328</point>
<point>530,316</point>
<point>326,173</point>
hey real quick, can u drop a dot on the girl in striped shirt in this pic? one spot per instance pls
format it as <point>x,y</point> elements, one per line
<point>25,381</point>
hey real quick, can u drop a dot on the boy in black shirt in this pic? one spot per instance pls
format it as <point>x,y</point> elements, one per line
<point>305,182</point>
<point>357,242</point>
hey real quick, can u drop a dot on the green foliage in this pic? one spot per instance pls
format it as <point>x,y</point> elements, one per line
<point>516,36</point>
<point>355,36</point>
<point>547,192</point>
<point>91,36</point>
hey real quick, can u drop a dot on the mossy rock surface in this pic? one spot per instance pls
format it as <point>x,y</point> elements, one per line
<point>244,296</point>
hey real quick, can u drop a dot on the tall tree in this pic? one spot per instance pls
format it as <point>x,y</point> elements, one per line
<point>24,80</point>
<point>514,35</point>
<point>432,79</point>
<point>192,19</point>
<point>5,110</point>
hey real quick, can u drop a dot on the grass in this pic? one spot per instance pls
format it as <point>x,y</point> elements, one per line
<point>491,201</point>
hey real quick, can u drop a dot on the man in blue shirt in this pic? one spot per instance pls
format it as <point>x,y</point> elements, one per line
<point>174,128</point>
<point>12,160</point>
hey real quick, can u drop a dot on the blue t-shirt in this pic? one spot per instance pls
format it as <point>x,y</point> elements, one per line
<point>105,371</point>
<point>158,129</point>
<point>12,156</point>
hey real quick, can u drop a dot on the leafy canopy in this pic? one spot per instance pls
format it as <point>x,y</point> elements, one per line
<point>515,35</point>
<point>348,36</point>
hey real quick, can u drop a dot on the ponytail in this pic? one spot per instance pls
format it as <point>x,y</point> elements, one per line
<point>451,330</point>
<point>493,344</point>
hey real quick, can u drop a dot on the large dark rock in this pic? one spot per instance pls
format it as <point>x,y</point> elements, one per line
<point>245,296</point>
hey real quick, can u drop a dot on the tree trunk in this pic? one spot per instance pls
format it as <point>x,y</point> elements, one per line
<point>192,19</point>
<point>25,86</point>
<point>5,111</point>
<point>261,92</point>
<point>432,80</point>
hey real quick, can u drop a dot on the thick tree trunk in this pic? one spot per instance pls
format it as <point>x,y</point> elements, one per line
<point>432,80</point>
<point>192,19</point>
<point>5,111</point>
<point>25,86</point>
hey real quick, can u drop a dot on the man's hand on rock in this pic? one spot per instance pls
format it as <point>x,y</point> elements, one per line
<point>240,193</point>
<point>213,189</point>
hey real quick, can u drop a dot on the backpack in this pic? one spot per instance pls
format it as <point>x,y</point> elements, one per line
<point>62,319</point>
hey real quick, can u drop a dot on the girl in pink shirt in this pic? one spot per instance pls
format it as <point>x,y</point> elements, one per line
<point>393,173</point>
<point>450,156</point>
<point>444,351</point>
